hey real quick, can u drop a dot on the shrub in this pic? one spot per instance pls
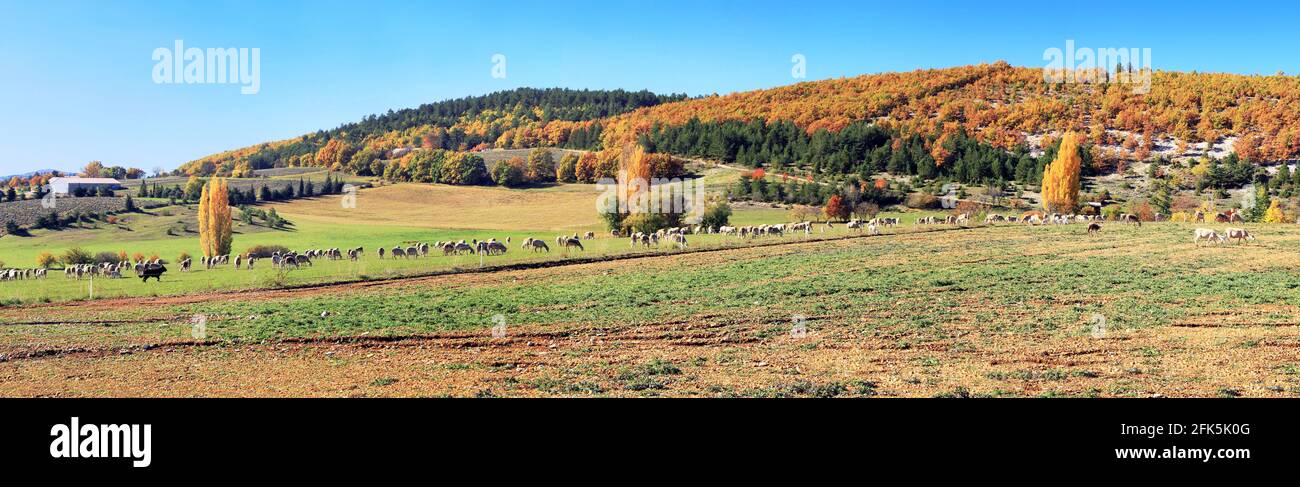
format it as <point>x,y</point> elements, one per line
<point>1111,212</point>
<point>465,169</point>
<point>836,208</point>
<point>265,251</point>
<point>566,171</point>
<point>273,219</point>
<point>716,214</point>
<point>646,222</point>
<point>1143,210</point>
<point>1274,214</point>
<point>541,166</point>
<point>976,211</point>
<point>106,258</point>
<point>510,173</point>
<point>922,201</point>
<point>866,210</point>
<point>46,260</point>
<point>77,255</point>
<point>801,213</point>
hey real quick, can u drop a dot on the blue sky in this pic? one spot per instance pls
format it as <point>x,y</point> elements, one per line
<point>76,77</point>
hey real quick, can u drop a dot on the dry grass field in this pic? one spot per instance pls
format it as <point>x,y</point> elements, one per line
<point>570,207</point>
<point>1002,311</point>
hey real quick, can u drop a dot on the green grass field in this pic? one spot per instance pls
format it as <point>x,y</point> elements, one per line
<point>385,217</point>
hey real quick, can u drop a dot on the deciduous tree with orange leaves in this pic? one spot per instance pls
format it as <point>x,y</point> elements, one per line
<point>837,209</point>
<point>215,225</point>
<point>1061,177</point>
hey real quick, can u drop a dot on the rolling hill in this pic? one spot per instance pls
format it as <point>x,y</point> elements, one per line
<point>1258,117</point>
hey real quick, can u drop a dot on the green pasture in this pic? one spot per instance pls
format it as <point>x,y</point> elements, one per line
<point>147,233</point>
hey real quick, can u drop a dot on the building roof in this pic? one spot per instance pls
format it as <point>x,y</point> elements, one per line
<point>85,180</point>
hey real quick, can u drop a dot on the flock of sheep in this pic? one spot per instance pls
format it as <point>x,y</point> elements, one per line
<point>106,270</point>
<point>1239,235</point>
<point>1036,218</point>
<point>1209,235</point>
<point>675,236</point>
<point>21,274</point>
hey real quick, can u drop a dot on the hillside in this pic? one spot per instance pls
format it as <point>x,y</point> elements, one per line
<point>515,119</point>
<point>1008,106</point>
<point>1258,117</point>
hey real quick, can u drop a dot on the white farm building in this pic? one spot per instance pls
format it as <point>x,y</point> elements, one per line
<point>67,186</point>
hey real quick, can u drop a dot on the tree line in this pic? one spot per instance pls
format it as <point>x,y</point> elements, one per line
<point>861,148</point>
<point>251,194</point>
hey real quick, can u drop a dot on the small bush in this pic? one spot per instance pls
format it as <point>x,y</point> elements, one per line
<point>1111,212</point>
<point>922,201</point>
<point>646,222</point>
<point>265,251</point>
<point>717,214</point>
<point>567,170</point>
<point>77,255</point>
<point>510,173</point>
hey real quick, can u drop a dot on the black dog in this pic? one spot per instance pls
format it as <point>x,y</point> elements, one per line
<point>154,271</point>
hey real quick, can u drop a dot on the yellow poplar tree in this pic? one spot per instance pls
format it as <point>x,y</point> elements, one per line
<point>1274,214</point>
<point>220,224</point>
<point>205,233</point>
<point>1061,177</point>
<point>216,230</point>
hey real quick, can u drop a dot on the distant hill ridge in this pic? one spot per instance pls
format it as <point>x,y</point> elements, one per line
<point>37,172</point>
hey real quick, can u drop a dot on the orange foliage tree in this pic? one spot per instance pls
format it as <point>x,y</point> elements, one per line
<point>1061,177</point>
<point>836,208</point>
<point>334,155</point>
<point>215,226</point>
<point>587,168</point>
